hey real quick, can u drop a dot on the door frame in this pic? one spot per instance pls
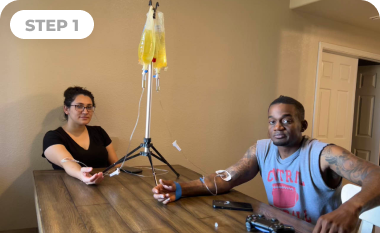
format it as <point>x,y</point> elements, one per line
<point>343,51</point>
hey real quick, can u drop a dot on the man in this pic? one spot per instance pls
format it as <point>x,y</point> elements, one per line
<point>302,176</point>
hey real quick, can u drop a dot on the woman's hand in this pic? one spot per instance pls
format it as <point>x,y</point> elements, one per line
<point>88,179</point>
<point>165,191</point>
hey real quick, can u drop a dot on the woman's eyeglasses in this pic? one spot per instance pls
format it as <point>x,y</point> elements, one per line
<point>80,108</point>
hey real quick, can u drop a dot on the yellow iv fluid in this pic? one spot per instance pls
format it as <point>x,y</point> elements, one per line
<point>146,48</point>
<point>160,50</point>
<point>160,53</point>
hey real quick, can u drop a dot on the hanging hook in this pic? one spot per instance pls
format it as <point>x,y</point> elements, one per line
<point>154,10</point>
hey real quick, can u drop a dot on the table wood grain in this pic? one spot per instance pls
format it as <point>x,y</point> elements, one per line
<point>124,203</point>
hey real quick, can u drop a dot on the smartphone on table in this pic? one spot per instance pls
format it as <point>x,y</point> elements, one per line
<point>232,205</point>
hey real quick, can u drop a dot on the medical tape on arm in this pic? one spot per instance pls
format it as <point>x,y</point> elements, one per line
<point>223,174</point>
<point>72,160</point>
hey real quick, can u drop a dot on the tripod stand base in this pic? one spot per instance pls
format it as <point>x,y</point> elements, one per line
<point>146,145</point>
<point>132,170</point>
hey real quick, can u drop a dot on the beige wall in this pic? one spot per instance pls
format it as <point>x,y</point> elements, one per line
<point>227,61</point>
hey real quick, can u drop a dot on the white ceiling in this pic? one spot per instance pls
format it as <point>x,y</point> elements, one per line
<point>354,12</point>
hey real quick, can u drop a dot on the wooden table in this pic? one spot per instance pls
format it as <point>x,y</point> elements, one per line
<point>124,203</point>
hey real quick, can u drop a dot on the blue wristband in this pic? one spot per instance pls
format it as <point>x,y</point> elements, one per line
<point>178,191</point>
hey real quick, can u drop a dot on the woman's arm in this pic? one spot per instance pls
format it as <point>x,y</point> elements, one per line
<point>112,157</point>
<point>56,153</point>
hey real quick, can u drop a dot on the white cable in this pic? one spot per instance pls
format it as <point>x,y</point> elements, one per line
<point>137,121</point>
<point>216,187</point>
<point>115,173</point>
<point>181,151</point>
<point>138,117</point>
<point>148,168</point>
<point>220,174</point>
<point>72,160</point>
<point>171,138</point>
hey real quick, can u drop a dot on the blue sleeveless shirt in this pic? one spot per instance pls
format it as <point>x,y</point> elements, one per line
<point>295,184</point>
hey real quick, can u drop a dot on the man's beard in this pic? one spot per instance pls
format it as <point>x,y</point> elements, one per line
<point>281,142</point>
<point>286,143</point>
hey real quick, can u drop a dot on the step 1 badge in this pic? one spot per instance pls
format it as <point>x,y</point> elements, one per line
<point>52,24</point>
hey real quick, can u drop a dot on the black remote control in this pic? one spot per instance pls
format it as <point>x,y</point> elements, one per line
<point>258,222</point>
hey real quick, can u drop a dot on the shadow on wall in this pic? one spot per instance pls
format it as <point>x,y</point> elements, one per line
<point>298,48</point>
<point>23,138</point>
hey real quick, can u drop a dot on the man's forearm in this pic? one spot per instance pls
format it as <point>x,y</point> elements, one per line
<point>358,171</point>
<point>196,187</point>
<point>369,196</point>
<point>244,170</point>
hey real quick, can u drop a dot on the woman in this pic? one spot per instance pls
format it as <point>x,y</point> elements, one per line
<point>75,140</point>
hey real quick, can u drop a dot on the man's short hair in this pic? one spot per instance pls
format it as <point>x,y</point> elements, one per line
<point>289,100</point>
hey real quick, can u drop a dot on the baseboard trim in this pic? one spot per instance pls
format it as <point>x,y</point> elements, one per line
<point>29,230</point>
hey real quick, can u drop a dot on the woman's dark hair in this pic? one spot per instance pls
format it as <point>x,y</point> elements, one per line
<point>72,92</point>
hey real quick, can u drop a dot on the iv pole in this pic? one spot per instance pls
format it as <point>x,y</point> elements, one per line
<point>147,140</point>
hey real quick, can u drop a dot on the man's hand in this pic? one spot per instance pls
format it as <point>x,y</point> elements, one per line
<point>87,178</point>
<point>165,191</point>
<point>342,220</point>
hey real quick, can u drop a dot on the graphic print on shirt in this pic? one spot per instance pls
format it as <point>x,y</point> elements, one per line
<point>284,196</point>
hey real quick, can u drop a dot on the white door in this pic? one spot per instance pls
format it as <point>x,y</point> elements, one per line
<point>334,101</point>
<point>366,134</point>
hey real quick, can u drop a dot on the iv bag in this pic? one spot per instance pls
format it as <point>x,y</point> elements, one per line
<point>147,42</point>
<point>160,51</point>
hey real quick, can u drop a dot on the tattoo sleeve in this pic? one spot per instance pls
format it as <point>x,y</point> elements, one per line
<point>246,168</point>
<point>346,164</point>
<point>359,171</point>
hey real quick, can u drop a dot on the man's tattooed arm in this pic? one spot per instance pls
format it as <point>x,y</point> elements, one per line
<point>358,171</point>
<point>244,170</point>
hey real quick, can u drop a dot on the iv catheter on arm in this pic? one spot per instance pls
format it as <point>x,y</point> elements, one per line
<point>219,182</point>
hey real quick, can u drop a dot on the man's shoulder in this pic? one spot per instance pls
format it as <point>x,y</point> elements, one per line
<point>308,141</point>
<point>264,141</point>
<point>314,146</point>
<point>263,146</point>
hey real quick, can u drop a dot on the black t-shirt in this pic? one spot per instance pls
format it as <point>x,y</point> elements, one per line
<point>96,156</point>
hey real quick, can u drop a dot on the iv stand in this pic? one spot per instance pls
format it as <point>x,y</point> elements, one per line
<point>147,140</point>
